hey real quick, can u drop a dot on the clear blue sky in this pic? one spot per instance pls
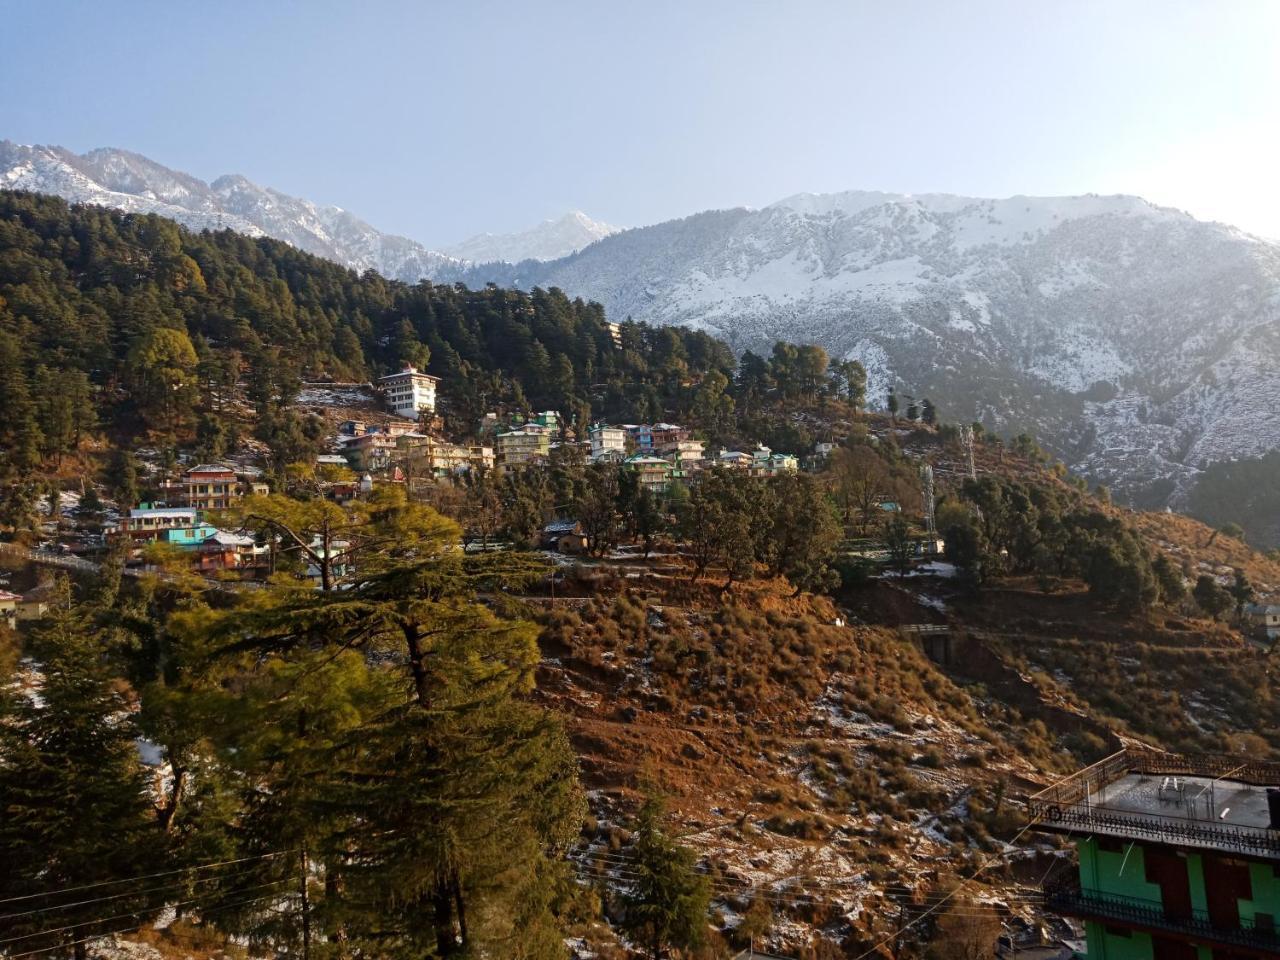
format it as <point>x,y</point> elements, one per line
<point>439,120</point>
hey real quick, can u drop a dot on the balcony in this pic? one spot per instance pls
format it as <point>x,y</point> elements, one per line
<point>1066,897</point>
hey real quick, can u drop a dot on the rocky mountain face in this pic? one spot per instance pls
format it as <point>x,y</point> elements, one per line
<point>549,240</point>
<point>127,181</point>
<point>1136,341</point>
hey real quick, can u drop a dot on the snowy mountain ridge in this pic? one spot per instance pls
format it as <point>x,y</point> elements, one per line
<point>549,240</point>
<point>1136,341</point>
<point>130,182</point>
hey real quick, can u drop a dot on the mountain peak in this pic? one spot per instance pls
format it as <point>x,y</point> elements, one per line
<point>549,240</point>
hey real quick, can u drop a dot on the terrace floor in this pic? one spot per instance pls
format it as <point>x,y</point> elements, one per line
<point>1227,803</point>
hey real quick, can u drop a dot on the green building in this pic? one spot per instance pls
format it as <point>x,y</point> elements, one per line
<point>1179,856</point>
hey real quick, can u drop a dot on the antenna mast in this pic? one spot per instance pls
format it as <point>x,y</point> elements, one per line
<point>966,441</point>
<point>926,479</point>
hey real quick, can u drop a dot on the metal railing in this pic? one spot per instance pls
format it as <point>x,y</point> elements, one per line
<point>1067,897</point>
<point>1071,802</point>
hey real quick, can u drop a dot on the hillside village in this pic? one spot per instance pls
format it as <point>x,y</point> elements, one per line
<point>840,651</point>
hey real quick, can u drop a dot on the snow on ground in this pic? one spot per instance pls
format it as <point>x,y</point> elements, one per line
<point>335,395</point>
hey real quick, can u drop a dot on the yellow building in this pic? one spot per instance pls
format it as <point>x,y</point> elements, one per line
<point>521,447</point>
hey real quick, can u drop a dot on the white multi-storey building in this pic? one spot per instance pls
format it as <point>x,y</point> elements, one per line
<point>608,442</point>
<point>409,393</point>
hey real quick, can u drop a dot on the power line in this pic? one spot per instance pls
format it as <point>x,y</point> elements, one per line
<point>129,893</point>
<point>149,876</point>
<point>933,909</point>
<point>131,929</point>
<point>126,916</point>
<point>727,885</point>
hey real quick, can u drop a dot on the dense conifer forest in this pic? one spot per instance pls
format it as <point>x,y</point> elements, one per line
<point>133,315</point>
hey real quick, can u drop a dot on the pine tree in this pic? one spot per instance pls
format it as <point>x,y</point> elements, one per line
<point>668,902</point>
<point>73,801</point>
<point>804,533</point>
<point>435,800</point>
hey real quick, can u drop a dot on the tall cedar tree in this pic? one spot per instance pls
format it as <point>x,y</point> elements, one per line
<point>391,736</point>
<point>73,798</point>
<point>668,902</point>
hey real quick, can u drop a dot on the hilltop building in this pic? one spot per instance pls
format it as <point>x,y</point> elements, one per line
<point>1179,856</point>
<point>430,455</point>
<point>370,451</point>
<point>684,450</point>
<point>518,448</point>
<point>654,472</point>
<point>409,393</point>
<point>1265,620</point>
<point>607,442</point>
<point>210,486</point>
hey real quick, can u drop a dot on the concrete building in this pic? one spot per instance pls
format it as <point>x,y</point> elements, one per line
<point>1178,856</point>
<point>1264,618</point>
<point>548,420</point>
<point>685,451</point>
<point>666,434</point>
<point>228,551</point>
<point>607,442</point>
<point>143,524</point>
<point>409,393</point>
<point>518,448</point>
<point>766,463</point>
<point>655,473</point>
<point>431,455</point>
<point>735,459</point>
<point>210,486</point>
<point>371,451</point>
<point>640,435</point>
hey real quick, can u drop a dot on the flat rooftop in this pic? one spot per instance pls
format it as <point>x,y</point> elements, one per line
<point>1214,803</point>
<point>1220,802</point>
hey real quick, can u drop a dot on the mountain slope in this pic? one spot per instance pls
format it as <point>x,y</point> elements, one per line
<point>1138,342</point>
<point>130,182</point>
<point>549,240</point>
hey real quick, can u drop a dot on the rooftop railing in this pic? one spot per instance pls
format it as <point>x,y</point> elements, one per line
<point>1073,803</point>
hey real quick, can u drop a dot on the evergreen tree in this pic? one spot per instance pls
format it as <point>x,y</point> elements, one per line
<point>1172,587</point>
<point>1241,591</point>
<point>436,800</point>
<point>161,368</point>
<point>668,902</point>
<point>899,544</point>
<point>73,801</point>
<point>804,533</point>
<point>1210,597</point>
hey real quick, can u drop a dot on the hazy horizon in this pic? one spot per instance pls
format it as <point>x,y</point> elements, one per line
<point>440,123</point>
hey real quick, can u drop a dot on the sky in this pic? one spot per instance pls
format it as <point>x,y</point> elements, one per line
<point>442,120</point>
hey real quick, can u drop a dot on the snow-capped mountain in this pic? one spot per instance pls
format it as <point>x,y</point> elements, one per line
<point>128,181</point>
<point>549,240</point>
<point>1137,341</point>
